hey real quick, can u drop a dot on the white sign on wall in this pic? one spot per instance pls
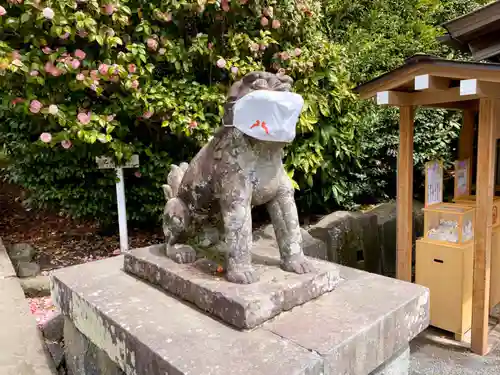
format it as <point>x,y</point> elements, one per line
<point>433,183</point>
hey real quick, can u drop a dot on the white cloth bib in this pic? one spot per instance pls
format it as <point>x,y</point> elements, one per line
<point>268,115</point>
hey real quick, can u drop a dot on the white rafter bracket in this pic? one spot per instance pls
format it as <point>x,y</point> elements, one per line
<point>429,82</point>
<point>479,88</point>
<point>469,87</point>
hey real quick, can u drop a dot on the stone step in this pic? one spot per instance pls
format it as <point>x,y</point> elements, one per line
<point>362,327</point>
<point>21,347</point>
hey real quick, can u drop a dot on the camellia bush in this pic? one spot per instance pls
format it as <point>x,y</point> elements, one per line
<point>86,78</point>
<point>82,78</point>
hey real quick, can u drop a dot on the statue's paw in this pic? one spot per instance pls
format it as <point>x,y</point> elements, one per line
<point>296,263</point>
<point>181,253</point>
<point>248,275</point>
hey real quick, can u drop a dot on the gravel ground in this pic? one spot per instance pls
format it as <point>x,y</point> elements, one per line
<point>434,354</point>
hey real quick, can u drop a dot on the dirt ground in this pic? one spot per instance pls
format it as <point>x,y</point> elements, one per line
<point>60,241</point>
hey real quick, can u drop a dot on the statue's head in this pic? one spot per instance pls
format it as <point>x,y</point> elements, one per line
<point>251,82</point>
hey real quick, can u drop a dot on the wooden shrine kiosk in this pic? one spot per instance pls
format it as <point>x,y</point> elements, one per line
<point>474,89</point>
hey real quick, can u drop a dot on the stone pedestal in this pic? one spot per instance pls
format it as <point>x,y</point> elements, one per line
<point>243,306</point>
<point>361,327</point>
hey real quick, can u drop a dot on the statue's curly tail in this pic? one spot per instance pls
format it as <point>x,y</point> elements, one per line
<point>174,180</point>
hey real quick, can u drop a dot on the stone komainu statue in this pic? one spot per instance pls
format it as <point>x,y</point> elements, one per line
<point>209,201</point>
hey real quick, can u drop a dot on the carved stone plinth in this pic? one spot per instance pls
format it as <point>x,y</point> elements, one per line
<point>117,322</point>
<point>242,306</point>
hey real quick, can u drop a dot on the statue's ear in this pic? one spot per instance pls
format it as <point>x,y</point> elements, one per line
<point>234,91</point>
<point>167,191</point>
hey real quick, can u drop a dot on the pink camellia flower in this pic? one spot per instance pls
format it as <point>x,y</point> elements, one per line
<point>135,84</point>
<point>65,36</point>
<point>263,47</point>
<point>147,114</point>
<point>225,5</point>
<point>80,77</point>
<point>276,24</point>
<point>79,54</point>
<point>75,64</point>
<point>45,137</point>
<point>132,68</point>
<point>48,13</point>
<point>47,50</point>
<point>193,124</point>
<point>264,21</point>
<point>254,47</point>
<point>297,51</point>
<point>103,69</point>
<point>53,110</point>
<point>110,117</point>
<point>3,12</point>
<point>49,67</point>
<point>66,144</point>
<point>284,56</point>
<point>35,106</point>
<point>83,117</point>
<point>17,100</point>
<point>152,44</point>
<point>234,70</point>
<point>108,9</point>
<point>221,63</point>
<point>268,12</point>
<point>138,174</point>
<point>94,74</point>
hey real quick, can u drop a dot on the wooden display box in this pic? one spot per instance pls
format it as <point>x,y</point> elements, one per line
<point>444,264</point>
<point>470,200</point>
<point>446,269</point>
<point>449,223</point>
<point>495,268</point>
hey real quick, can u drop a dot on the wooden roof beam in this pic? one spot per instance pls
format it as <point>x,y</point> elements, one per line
<point>431,83</point>
<point>470,89</point>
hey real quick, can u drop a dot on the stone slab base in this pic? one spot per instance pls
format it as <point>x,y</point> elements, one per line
<point>399,364</point>
<point>243,306</point>
<point>353,330</point>
<point>83,357</point>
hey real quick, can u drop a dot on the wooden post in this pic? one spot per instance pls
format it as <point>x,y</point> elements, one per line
<point>405,195</point>
<point>466,140</point>
<point>485,183</point>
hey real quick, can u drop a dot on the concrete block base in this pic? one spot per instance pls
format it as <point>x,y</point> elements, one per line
<point>399,364</point>
<point>83,357</point>
<point>243,306</point>
<point>362,327</point>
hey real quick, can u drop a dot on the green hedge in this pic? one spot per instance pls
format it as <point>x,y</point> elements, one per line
<point>80,79</point>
